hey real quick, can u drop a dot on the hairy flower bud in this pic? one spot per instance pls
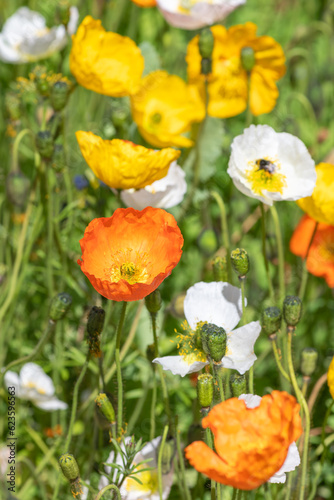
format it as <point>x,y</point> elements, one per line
<point>69,467</point>
<point>106,408</point>
<point>17,186</point>
<point>205,390</point>
<point>59,306</point>
<point>240,261</point>
<point>153,302</point>
<point>205,45</point>
<point>309,358</point>
<point>247,58</point>
<point>44,143</point>
<point>59,94</point>
<point>219,267</point>
<point>214,340</point>
<point>168,454</point>
<point>271,320</point>
<point>292,310</point>
<point>238,385</point>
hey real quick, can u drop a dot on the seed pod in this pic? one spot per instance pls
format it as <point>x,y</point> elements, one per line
<point>153,302</point>
<point>17,186</point>
<point>60,92</point>
<point>60,304</point>
<point>240,261</point>
<point>219,267</point>
<point>309,358</point>
<point>105,407</point>
<point>205,390</point>
<point>69,467</point>
<point>44,144</point>
<point>214,341</point>
<point>292,310</point>
<point>271,320</point>
<point>238,385</point>
<point>247,58</point>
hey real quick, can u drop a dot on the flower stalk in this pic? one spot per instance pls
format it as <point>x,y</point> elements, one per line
<point>119,371</point>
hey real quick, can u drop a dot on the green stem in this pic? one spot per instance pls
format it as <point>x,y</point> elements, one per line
<point>225,235</point>
<point>303,404</point>
<point>280,249</point>
<point>209,442</point>
<point>278,361</point>
<point>153,405</point>
<point>181,461</point>
<point>303,282</point>
<point>264,252</point>
<point>163,440</point>
<point>107,488</point>
<point>49,253</point>
<point>18,138</point>
<point>119,371</point>
<point>218,377</point>
<point>288,486</point>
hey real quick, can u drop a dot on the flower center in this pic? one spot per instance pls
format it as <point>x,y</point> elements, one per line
<point>156,118</point>
<point>185,6</point>
<point>264,175</point>
<point>129,265</point>
<point>189,344</point>
<point>326,251</point>
<point>149,480</point>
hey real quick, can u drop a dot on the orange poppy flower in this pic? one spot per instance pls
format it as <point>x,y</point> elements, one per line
<point>251,443</point>
<point>128,255</point>
<point>145,3</point>
<point>320,260</point>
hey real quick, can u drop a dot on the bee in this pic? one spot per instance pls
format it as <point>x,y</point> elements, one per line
<point>266,165</point>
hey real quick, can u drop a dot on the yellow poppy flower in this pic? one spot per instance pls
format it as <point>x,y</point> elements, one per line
<point>122,164</point>
<point>164,108</point>
<point>330,378</point>
<point>320,205</point>
<point>228,83</point>
<point>105,62</point>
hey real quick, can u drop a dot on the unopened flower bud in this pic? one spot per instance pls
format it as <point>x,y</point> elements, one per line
<point>247,58</point>
<point>219,267</point>
<point>292,310</point>
<point>309,358</point>
<point>95,321</point>
<point>206,43</point>
<point>207,241</point>
<point>106,408</point>
<point>13,105</point>
<point>153,302</point>
<point>271,320</point>
<point>17,185</point>
<point>150,352</point>
<point>59,94</point>
<point>69,467</point>
<point>205,390</point>
<point>238,385</point>
<point>60,304</point>
<point>44,143</point>
<point>240,261</point>
<point>214,340</point>
<point>168,454</point>
<point>58,160</point>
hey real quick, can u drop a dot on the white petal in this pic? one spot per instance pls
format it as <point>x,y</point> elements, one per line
<point>291,462</point>
<point>240,347</point>
<point>178,366</point>
<point>73,22</point>
<point>216,302</point>
<point>33,376</point>
<point>251,400</point>
<point>13,380</point>
<point>50,404</point>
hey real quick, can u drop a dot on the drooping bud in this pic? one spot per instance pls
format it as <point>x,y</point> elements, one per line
<point>205,390</point>
<point>95,325</point>
<point>168,454</point>
<point>207,242</point>
<point>59,94</point>
<point>292,310</point>
<point>59,306</point>
<point>238,385</point>
<point>44,144</point>
<point>205,45</point>
<point>153,302</point>
<point>240,262</point>
<point>309,358</point>
<point>13,105</point>
<point>105,407</point>
<point>271,320</point>
<point>150,352</point>
<point>214,340</point>
<point>58,160</point>
<point>219,267</point>
<point>247,58</point>
<point>69,466</point>
<point>17,185</point>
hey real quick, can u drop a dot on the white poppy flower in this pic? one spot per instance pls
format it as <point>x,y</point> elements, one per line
<point>26,38</point>
<point>164,193</point>
<point>194,14</point>
<point>149,489</point>
<point>271,166</point>
<point>292,459</point>
<point>218,303</point>
<point>33,384</point>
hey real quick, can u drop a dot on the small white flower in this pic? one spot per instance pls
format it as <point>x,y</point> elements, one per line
<point>26,38</point>
<point>149,489</point>
<point>218,303</point>
<point>271,166</point>
<point>164,193</point>
<point>33,384</point>
<point>194,14</point>
<point>292,459</point>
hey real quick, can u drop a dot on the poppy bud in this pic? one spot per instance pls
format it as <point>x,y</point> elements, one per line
<point>58,160</point>
<point>17,185</point>
<point>292,310</point>
<point>95,321</point>
<point>247,58</point>
<point>69,467</point>
<point>168,454</point>
<point>59,94</point>
<point>153,302</point>
<point>60,304</point>
<point>271,320</point>
<point>309,358</point>
<point>214,341</point>
<point>238,385</point>
<point>240,261</point>
<point>13,105</point>
<point>219,267</point>
<point>206,43</point>
<point>44,143</point>
<point>106,408</point>
<point>205,390</point>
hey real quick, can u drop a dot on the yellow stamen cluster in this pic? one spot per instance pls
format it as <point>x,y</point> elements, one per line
<point>129,265</point>
<point>189,344</point>
<point>149,480</point>
<point>261,179</point>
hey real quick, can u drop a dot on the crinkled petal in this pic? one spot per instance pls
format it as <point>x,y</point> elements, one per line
<point>251,400</point>
<point>291,462</point>
<point>178,366</point>
<point>240,347</point>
